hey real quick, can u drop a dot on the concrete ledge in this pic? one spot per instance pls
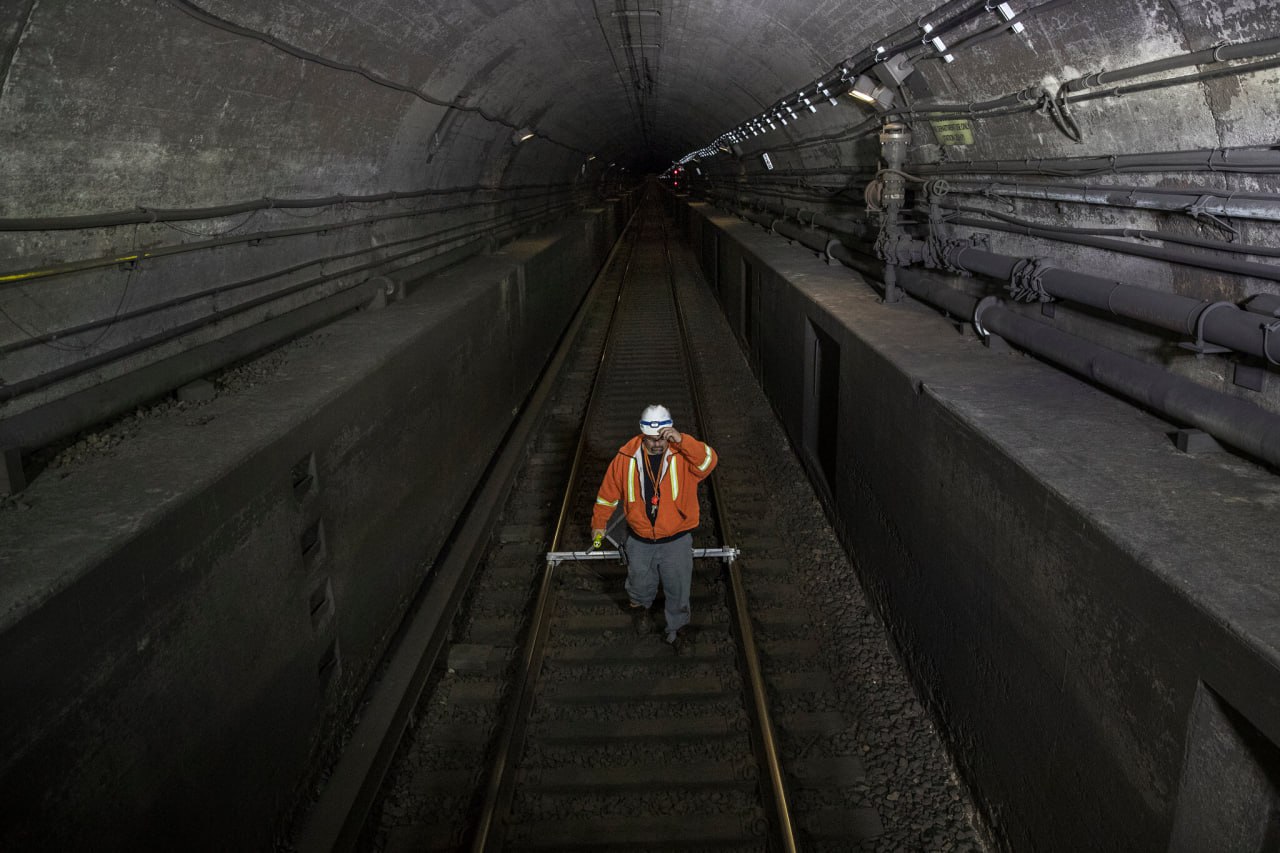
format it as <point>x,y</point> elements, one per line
<point>1061,581</point>
<point>186,625</point>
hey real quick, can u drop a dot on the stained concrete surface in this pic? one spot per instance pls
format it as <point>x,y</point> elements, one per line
<point>110,105</point>
<point>1059,599</point>
<point>188,649</point>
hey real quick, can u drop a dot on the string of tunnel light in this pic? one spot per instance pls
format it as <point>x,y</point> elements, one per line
<point>908,45</point>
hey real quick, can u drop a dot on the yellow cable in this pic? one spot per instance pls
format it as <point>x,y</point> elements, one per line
<point>30,274</point>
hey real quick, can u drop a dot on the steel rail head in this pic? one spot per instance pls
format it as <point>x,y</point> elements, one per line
<point>779,805</point>
<point>488,835</point>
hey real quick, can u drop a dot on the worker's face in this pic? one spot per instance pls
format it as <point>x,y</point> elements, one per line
<point>653,444</point>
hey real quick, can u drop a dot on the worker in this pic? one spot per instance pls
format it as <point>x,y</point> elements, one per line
<point>655,476</point>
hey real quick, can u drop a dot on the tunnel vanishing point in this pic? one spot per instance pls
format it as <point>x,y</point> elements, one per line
<point>275,279</point>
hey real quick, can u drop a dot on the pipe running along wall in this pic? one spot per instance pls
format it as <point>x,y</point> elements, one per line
<point>1219,324</point>
<point>1237,422</point>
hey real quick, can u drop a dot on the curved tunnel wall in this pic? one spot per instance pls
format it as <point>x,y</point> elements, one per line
<point>1095,634</point>
<point>180,660</point>
<point>183,104</point>
<point>117,105</point>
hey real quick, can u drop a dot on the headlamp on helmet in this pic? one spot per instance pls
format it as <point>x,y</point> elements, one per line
<point>653,419</point>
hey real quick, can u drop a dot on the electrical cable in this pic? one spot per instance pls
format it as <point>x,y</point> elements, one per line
<point>1132,233</point>
<point>1057,105</point>
<point>997,30</point>
<point>47,339</point>
<point>15,389</point>
<point>42,338</point>
<point>1192,200</point>
<point>1245,159</point>
<point>191,232</point>
<point>182,248</point>
<point>627,91</point>
<point>907,36</point>
<point>199,14</point>
<point>1270,272</point>
<point>148,215</point>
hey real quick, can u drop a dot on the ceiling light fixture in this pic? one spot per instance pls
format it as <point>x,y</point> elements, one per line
<point>869,92</point>
<point>1006,12</point>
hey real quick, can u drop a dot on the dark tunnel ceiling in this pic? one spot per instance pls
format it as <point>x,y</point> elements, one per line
<point>175,103</point>
<point>643,81</point>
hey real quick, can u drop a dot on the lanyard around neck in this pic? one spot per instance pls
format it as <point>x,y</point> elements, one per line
<point>653,478</point>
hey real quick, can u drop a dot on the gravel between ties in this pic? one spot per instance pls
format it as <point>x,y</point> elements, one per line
<point>911,779</point>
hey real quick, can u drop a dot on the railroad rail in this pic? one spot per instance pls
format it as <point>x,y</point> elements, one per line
<point>547,714</point>
<point>554,726</point>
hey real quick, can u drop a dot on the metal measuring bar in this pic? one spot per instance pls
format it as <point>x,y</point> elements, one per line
<point>555,558</point>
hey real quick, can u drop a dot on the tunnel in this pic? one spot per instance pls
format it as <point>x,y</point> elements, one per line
<point>278,279</point>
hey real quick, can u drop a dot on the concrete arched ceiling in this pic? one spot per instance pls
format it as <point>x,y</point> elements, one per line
<point>116,105</point>
<point>109,103</point>
<point>187,102</point>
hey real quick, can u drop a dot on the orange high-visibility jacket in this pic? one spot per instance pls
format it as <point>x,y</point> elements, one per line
<point>684,465</point>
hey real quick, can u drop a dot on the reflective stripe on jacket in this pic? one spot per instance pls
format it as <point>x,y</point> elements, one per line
<point>684,465</point>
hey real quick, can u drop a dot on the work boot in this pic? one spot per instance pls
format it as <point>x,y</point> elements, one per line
<point>641,620</point>
<point>681,642</point>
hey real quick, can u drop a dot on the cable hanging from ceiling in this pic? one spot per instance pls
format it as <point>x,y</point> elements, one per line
<point>191,9</point>
<point>1223,61</point>
<point>875,76</point>
<point>891,65</point>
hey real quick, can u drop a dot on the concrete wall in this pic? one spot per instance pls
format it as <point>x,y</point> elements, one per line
<point>188,622</point>
<point>821,164</point>
<point>1080,604</point>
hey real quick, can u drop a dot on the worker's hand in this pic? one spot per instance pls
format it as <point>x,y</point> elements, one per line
<point>670,434</point>
<point>597,538</point>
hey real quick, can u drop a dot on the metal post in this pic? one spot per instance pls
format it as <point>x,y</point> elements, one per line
<point>894,139</point>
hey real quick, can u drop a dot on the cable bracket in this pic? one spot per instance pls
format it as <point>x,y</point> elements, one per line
<point>826,252</point>
<point>1026,281</point>
<point>1198,210</point>
<point>1199,346</point>
<point>979,310</point>
<point>1269,329</point>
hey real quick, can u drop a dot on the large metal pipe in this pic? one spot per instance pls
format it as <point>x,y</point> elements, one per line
<point>149,215</point>
<point>1254,159</point>
<point>67,415</point>
<point>1203,201</point>
<point>1218,323</point>
<point>1267,304</point>
<point>1170,254</point>
<point>807,237</point>
<point>1215,323</point>
<point>1237,422</point>
<point>1208,56</point>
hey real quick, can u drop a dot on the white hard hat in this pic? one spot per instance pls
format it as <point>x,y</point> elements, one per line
<point>653,419</point>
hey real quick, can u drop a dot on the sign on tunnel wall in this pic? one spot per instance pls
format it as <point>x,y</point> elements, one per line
<point>953,131</point>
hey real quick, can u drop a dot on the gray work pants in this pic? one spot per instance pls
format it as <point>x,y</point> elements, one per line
<point>672,563</point>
